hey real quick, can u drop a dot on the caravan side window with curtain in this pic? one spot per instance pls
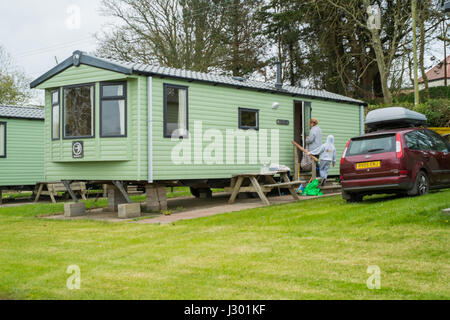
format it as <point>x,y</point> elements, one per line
<point>55,114</point>
<point>2,139</point>
<point>175,111</point>
<point>113,109</point>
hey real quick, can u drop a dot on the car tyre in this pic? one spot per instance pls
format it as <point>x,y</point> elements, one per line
<point>421,185</point>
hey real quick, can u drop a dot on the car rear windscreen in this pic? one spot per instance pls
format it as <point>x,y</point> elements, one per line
<point>373,144</point>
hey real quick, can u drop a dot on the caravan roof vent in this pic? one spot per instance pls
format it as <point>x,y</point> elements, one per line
<point>394,117</point>
<point>241,79</point>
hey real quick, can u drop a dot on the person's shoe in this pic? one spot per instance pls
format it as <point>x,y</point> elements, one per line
<point>323,182</point>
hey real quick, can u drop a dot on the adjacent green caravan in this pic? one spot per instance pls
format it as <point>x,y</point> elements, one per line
<point>21,147</point>
<point>129,122</point>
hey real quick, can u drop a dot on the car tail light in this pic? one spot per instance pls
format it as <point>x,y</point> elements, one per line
<point>398,146</point>
<point>403,172</point>
<point>345,151</point>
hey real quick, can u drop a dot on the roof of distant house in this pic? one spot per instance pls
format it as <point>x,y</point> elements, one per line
<point>438,71</point>
<point>80,57</point>
<point>21,112</point>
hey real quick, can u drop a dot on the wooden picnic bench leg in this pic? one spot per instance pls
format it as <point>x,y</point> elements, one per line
<point>83,190</point>
<point>257,187</point>
<point>51,192</point>
<point>233,182</point>
<point>285,178</point>
<point>38,194</point>
<point>236,188</point>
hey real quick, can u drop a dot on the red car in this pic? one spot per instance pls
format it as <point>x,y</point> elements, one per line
<point>409,160</point>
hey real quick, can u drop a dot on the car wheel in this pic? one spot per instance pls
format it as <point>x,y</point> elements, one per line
<point>421,185</point>
<point>355,197</point>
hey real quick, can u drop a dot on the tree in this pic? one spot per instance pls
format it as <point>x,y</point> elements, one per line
<point>199,35</point>
<point>386,37</point>
<point>14,89</point>
<point>244,42</point>
<point>282,21</point>
<point>172,33</point>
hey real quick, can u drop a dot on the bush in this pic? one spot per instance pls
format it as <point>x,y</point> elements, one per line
<point>441,92</point>
<point>437,111</point>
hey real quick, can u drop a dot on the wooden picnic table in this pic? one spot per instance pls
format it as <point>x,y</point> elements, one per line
<point>262,183</point>
<point>53,188</point>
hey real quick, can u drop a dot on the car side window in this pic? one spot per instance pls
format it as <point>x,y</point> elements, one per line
<point>424,141</point>
<point>412,140</point>
<point>438,142</point>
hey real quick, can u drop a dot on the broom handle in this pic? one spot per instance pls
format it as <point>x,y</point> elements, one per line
<point>304,150</point>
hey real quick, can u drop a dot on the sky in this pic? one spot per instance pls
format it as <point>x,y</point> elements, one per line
<point>35,32</point>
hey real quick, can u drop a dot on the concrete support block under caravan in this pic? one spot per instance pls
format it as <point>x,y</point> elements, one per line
<point>129,210</point>
<point>156,198</point>
<point>115,198</point>
<point>74,209</point>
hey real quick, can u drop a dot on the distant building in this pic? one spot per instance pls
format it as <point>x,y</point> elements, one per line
<point>436,76</point>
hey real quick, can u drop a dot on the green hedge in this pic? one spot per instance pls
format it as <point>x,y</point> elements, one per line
<point>437,111</point>
<point>441,92</point>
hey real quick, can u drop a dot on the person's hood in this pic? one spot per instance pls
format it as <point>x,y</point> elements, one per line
<point>330,139</point>
<point>330,142</point>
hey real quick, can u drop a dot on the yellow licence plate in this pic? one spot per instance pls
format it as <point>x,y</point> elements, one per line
<point>366,165</point>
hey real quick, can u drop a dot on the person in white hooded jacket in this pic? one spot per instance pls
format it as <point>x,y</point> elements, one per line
<point>327,153</point>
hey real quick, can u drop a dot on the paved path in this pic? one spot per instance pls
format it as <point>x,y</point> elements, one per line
<point>186,208</point>
<point>224,207</point>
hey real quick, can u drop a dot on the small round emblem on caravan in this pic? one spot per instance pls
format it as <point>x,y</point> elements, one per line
<point>76,58</point>
<point>77,149</point>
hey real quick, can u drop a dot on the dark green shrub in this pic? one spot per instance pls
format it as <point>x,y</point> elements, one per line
<point>441,92</point>
<point>437,111</point>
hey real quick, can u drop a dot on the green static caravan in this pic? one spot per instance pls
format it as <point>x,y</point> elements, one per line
<point>21,147</point>
<point>116,121</point>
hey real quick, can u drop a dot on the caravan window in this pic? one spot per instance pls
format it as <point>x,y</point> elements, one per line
<point>248,119</point>
<point>79,111</point>
<point>2,139</point>
<point>55,115</point>
<point>113,109</point>
<point>175,111</point>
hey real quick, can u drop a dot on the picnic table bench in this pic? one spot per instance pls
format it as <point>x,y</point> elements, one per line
<point>262,183</point>
<point>53,188</point>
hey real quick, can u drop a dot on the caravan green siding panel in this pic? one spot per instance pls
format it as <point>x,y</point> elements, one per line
<point>80,74</point>
<point>123,158</point>
<point>24,162</point>
<point>217,109</point>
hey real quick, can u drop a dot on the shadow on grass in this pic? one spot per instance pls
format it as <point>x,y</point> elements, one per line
<point>388,197</point>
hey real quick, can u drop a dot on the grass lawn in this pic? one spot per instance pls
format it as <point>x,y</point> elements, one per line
<point>317,249</point>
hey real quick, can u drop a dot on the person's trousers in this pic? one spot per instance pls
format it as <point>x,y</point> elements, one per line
<point>317,164</point>
<point>324,166</point>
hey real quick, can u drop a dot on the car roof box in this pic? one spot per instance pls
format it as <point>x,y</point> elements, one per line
<point>394,117</point>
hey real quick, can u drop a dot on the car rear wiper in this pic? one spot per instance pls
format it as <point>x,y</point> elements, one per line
<point>373,150</point>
